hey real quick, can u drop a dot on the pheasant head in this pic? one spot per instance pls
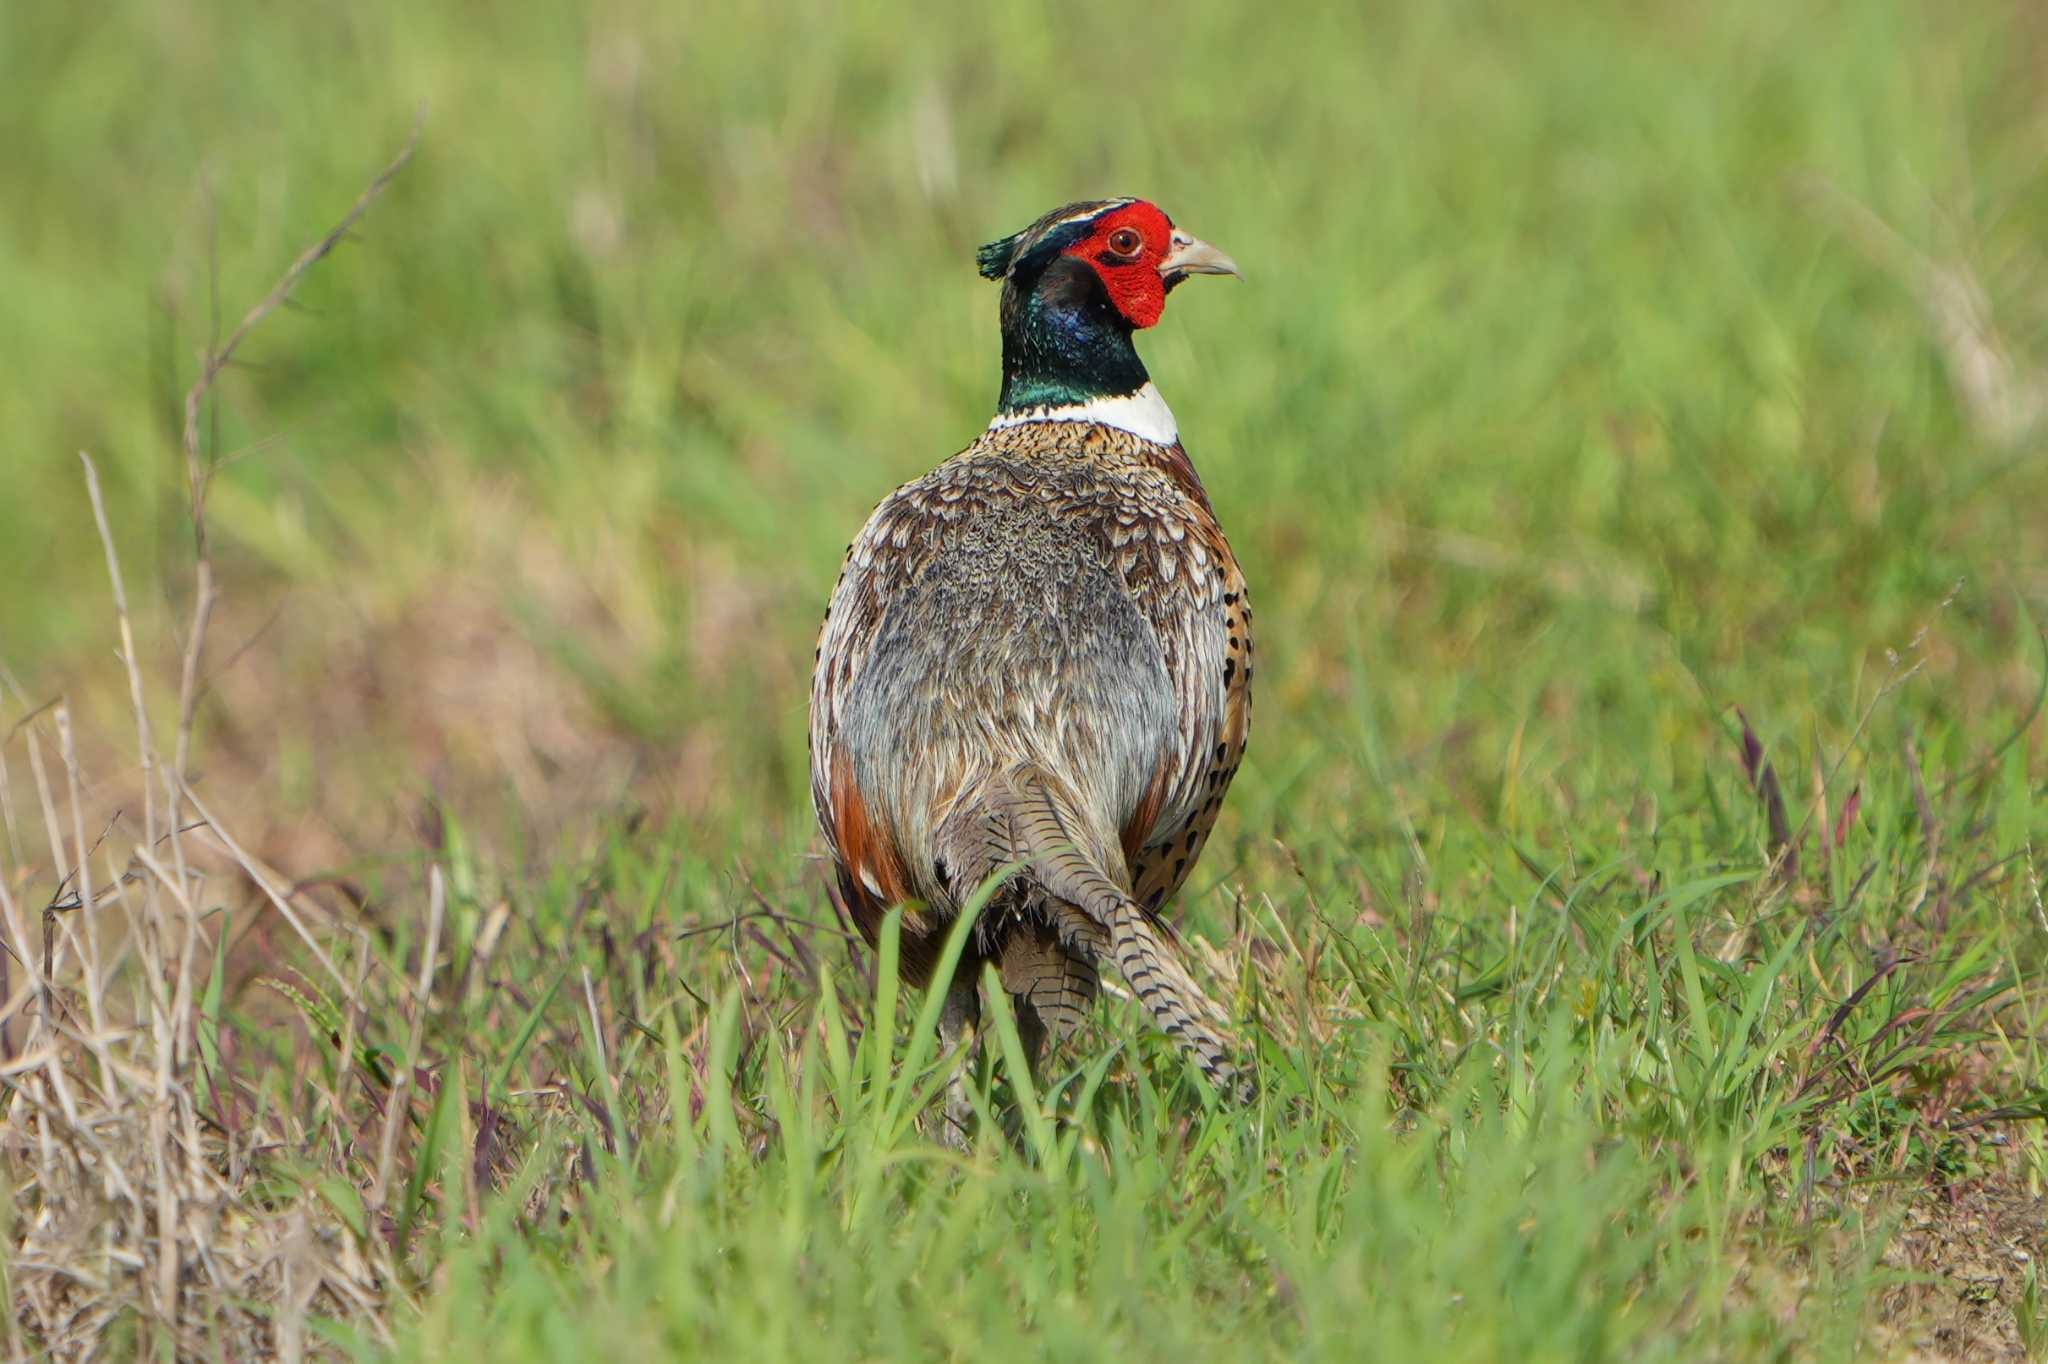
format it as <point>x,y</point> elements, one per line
<point>1076,285</point>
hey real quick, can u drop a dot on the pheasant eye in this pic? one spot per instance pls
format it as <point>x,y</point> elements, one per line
<point>1125,241</point>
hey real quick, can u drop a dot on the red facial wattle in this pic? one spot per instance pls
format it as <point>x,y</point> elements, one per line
<point>1132,279</point>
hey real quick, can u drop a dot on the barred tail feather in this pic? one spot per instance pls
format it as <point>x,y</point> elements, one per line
<point>1045,829</point>
<point>1177,1004</point>
<point>1057,984</point>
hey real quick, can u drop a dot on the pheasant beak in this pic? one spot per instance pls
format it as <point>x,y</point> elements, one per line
<point>1192,256</point>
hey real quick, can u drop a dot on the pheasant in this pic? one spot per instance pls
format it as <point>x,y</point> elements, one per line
<point>1038,657</point>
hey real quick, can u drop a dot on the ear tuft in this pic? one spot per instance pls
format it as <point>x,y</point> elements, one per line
<point>994,259</point>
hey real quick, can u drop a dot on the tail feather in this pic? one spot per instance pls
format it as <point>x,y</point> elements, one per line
<point>1044,828</point>
<point>1059,985</point>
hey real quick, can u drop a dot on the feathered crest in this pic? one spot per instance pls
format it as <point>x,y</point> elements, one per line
<point>1057,229</point>
<point>994,259</point>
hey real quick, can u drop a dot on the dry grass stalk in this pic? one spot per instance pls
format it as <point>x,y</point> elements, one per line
<point>401,1090</point>
<point>133,1224</point>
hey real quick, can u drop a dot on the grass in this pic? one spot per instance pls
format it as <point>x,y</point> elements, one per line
<point>1630,430</point>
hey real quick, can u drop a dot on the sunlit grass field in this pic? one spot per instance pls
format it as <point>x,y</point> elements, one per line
<point>1633,424</point>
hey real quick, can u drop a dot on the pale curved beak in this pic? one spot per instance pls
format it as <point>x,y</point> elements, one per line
<point>1188,255</point>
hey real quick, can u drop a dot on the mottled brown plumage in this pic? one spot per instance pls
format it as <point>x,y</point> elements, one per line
<point>1039,655</point>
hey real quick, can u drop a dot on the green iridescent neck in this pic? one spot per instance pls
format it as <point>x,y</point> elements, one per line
<point>1063,341</point>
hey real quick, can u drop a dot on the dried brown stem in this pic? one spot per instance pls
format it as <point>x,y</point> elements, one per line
<point>145,742</point>
<point>400,1098</point>
<point>199,469</point>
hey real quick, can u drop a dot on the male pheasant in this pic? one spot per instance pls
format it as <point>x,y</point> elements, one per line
<point>1039,655</point>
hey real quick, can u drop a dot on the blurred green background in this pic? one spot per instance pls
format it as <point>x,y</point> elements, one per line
<point>1596,367</point>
